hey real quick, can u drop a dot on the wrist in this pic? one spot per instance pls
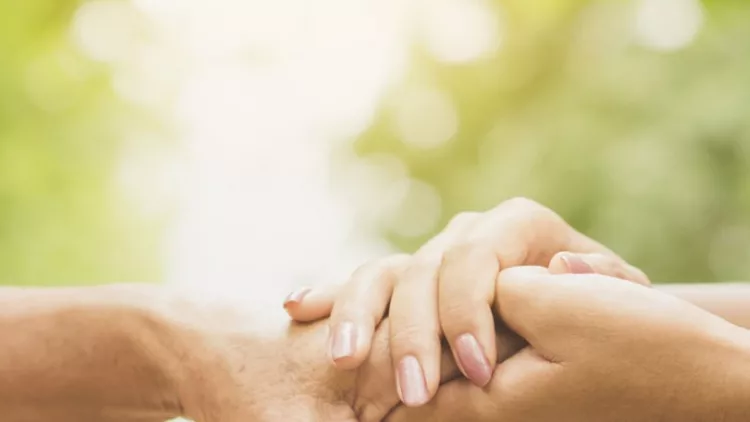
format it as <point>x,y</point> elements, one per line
<point>215,344</point>
<point>158,340</point>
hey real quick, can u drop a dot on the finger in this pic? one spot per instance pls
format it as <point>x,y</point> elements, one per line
<point>554,313</point>
<point>466,290</point>
<point>415,333</point>
<point>415,329</point>
<point>575,263</point>
<point>524,299</point>
<point>359,308</point>
<point>512,395</point>
<point>457,401</point>
<point>459,224</point>
<point>308,304</point>
<point>373,401</point>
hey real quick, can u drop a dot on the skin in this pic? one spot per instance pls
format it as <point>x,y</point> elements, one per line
<point>728,300</point>
<point>638,354</point>
<point>142,353</point>
<point>462,259</point>
<point>453,278</point>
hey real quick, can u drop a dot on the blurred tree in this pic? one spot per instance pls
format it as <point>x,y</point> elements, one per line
<point>644,148</point>
<point>61,220</point>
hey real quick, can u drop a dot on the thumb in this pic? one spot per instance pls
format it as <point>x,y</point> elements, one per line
<point>547,310</point>
<point>525,300</point>
<point>559,312</point>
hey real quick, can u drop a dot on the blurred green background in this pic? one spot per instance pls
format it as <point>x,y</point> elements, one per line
<point>644,147</point>
<point>646,150</point>
<point>62,220</point>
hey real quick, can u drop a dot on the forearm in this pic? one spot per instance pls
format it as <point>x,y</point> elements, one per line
<point>83,354</point>
<point>730,301</point>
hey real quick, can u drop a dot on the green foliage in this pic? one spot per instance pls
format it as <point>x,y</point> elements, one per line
<point>646,151</point>
<point>61,221</point>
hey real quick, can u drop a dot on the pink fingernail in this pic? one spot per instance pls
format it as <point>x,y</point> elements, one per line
<point>410,382</point>
<point>296,296</point>
<point>576,265</point>
<point>344,341</point>
<point>472,359</point>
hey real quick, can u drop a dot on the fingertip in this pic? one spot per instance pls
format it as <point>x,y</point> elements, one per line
<point>596,263</point>
<point>576,264</point>
<point>293,301</point>
<point>295,297</point>
<point>347,363</point>
<point>472,359</point>
<point>350,344</point>
<point>557,264</point>
<point>570,263</point>
<point>307,305</point>
<point>411,384</point>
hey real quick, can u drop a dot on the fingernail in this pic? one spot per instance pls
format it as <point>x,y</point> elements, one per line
<point>410,382</point>
<point>344,341</point>
<point>472,360</point>
<point>296,296</point>
<point>576,265</point>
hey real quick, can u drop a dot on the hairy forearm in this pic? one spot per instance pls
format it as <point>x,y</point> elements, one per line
<point>730,301</point>
<point>80,354</point>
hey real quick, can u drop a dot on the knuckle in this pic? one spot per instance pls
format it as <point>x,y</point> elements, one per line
<point>350,311</point>
<point>420,270</point>
<point>521,203</point>
<point>462,219</point>
<point>381,269</point>
<point>527,210</point>
<point>460,317</point>
<point>469,250</point>
<point>413,337</point>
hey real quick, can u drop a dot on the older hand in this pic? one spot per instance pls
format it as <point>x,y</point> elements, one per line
<point>602,349</point>
<point>234,371</point>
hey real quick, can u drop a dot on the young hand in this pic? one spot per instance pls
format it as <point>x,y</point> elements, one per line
<point>446,288</point>
<point>601,349</point>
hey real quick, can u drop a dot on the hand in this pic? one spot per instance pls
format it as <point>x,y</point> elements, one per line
<point>602,349</point>
<point>236,368</point>
<point>236,372</point>
<point>446,288</point>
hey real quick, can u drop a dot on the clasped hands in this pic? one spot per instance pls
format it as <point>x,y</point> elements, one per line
<point>506,315</point>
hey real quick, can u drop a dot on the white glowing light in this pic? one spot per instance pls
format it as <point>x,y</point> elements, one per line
<point>377,186</point>
<point>107,30</point>
<point>425,118</point>
<point>150,78</point>
<point>257,92</point>
<point>668,24</point>
<point>150,178</point>
<point>457,31</point>
<point>268,85</point>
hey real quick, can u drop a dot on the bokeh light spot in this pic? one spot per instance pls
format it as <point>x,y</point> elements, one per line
<point>107,30</point>
<point>425,118</point>
<point>420,211</point>
<point>668,24</point>
<point>457,31</point>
